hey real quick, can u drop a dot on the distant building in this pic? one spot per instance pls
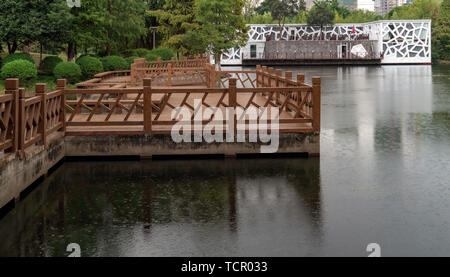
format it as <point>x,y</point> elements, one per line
<point>382,7</point>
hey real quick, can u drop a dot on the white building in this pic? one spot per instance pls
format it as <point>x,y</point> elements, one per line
<point>396,41</point>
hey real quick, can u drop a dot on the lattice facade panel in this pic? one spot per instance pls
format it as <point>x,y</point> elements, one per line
<point>401,41</point>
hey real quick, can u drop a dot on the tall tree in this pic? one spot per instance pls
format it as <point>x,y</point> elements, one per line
<point>265,7</point>
<point>283,9</point>
<point>321,15</point>
<point>24,22</point>
<point>221,27</point>
<point>175,19</point>
<point>107,24</point>
<point>441,33</point>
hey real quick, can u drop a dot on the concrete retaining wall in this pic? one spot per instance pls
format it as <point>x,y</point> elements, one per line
<point>16,174</point>
<point>148,146</point>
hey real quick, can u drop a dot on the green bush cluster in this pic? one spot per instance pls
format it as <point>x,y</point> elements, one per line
<point>89,66</point>
<point>150,55</point>
<point>49,63</point>
<point>164,53</point>
<point>18,56</point>
<point>69,71</point>
<point>113,63</point>
<point>22,69</point>
<point>130,60</point>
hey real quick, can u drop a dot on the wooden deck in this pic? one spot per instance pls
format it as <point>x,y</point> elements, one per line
<point>119,123</point>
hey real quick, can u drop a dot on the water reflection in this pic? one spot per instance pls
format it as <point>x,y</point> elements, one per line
<point>169,208</point>
<point>383,177</point>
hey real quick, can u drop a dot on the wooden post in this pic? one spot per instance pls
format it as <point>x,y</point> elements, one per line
<point>264,71</point>
<point>12,87</point>
<point>300,82</point>
<point>185,62</point>
<point>22,124</point>
<point>213,75</point>
<point>258,75</point>
<point>288,77</point>
<point>278,83</point>
<point>61,85</point>
<point>232,99</point>
<point>148,106</point>
<point>169,75</point>
<point>42,128</point>
<point>316,87</point>
<point>132,75</point>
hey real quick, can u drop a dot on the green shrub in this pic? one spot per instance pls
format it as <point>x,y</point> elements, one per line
<point>150,57</point>
<point>89,66</point>
<point>18,56</point>
<point>104,53</point>
<point>69,71</point>
<point>49,63</point>
<point>140,52</point>
<point>164,53</point>
<point>130,60</point>
<point>22,69</point>
<point>85,55</point>
<point>113,63</point>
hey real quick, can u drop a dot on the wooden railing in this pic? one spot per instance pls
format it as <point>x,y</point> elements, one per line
<point>27,121</point>
<point>170,73</point>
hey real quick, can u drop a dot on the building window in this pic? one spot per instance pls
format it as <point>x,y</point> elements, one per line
<point>252,51</point>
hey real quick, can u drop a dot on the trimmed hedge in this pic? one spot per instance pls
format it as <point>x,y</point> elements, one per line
<point>90,66</point>
<point>113,63</point>
<point>150,57</point>
<point>69,71</point>
<point>18,56</point>
<point>164,53</point>
<point>130,60</point>
<point>22,69</point>
<point>48,64</point>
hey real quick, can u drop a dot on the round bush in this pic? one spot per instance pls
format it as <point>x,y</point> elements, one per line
<point>130,60</point>
<point>18,56</point>
<point>150,57</point>
<point>90,66</point>
<point>22,69</point>
<point>165,53</point>
<point>140,52</point>
<point>69,71</point>
<point>49,63</point>
<point>113,63</point>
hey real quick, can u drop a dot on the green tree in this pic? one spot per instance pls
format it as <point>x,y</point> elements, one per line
<point>265,7</point>
<point>283,9</point>
<point>24,22</point>
<point>221,27</point>
<point>107,24</point>
<point>441,33</point>
<point>175,19</point>
<point>321,15</point>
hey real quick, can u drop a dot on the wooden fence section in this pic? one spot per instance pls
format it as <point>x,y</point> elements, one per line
<point>149,109</point>
<point>170,73</point>
<point>155,109</point>
<point>27,121</point>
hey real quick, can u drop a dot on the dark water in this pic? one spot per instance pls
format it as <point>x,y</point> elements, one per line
<point>383,177</point>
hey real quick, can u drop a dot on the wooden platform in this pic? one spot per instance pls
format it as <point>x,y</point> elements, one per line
<point>119,123</point>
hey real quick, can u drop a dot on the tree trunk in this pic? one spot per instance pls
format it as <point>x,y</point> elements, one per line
<point>70,51</point>
<point>26,48</point>
<point>12,48</point>
<point>108,50</point>
<point>217,61</point>
<point>40,54</point>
